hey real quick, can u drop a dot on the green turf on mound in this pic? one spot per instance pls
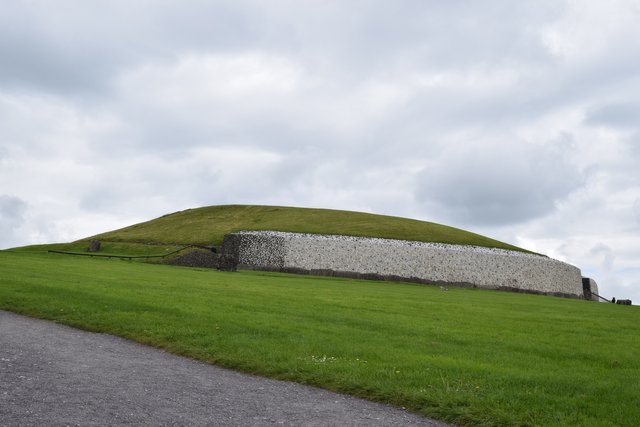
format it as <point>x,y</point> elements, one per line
<point>208,225</point>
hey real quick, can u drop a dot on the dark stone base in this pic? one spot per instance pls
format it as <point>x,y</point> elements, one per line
<point>196,258</point>
<point>393,278</point>
<point>227,263</point>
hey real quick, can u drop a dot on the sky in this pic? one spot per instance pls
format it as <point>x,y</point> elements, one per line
<point>516,120</point>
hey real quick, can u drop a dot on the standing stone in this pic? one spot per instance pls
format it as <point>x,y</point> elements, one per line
<point>94,246</point>
<point>590,289</point>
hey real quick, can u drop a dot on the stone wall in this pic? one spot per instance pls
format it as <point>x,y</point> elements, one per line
<point>196,258</point>
<point>403,260</point>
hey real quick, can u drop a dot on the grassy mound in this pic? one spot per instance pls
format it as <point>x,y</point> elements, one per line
<point>208,225</point>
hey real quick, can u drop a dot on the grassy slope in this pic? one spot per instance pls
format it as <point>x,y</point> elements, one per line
<point>466,356</point>
<point>208,225</point>
<point>106,248</point>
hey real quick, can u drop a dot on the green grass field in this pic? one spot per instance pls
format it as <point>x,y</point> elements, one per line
<point>465,356</point>
<point>208,225</point>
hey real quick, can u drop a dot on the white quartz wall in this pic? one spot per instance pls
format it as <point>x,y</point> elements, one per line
<point>431,262</point>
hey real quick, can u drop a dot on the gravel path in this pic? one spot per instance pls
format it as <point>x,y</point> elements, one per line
<point>59,376</point>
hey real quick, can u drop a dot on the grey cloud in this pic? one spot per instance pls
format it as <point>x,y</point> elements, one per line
<point>500,184</point>
<point>89,43</point>
<point>623,115</point>
<point>56,55</point>
<point>33,66</point>
<point>79,47</point>
<point>87,47</point>
<point>451,34</point>
<point>12,211</point>
<point>538,88</point>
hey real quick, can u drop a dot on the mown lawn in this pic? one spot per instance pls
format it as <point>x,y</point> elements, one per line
<point>465,356</point>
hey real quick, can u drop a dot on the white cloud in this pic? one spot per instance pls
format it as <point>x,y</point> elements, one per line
<point>205,79</point>
<point>591,29</point>
<point>606,253</point>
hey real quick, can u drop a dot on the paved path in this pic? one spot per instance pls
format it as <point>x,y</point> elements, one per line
<point>54,375</point>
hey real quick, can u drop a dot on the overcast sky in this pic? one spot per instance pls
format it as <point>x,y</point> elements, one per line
<point>519,120</point>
